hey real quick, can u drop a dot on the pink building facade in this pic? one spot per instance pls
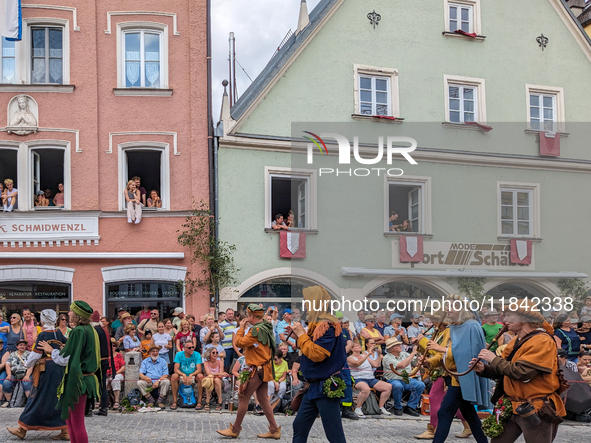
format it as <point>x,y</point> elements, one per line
<point>95,93</point>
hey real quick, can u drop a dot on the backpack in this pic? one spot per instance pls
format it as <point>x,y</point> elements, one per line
<point>134,396</point>
<point>371,405</point>
<point>186,396</point>
<point>18,399</point>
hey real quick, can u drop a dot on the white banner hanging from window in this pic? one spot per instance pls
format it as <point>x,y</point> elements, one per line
<point>47,228</point>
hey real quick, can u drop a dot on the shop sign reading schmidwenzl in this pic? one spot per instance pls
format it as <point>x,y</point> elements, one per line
<point>460,255</point>
<point>64,228</point>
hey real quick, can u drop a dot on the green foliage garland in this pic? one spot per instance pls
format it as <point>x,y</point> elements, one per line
<point>334,387</point>
<point>405,377</point>
<point>490,427</point>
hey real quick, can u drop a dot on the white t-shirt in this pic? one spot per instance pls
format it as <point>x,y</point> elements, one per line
<point>162,340</point>
<point>363,371</point>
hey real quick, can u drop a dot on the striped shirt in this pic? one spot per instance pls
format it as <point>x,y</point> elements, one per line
<point>229,328</point>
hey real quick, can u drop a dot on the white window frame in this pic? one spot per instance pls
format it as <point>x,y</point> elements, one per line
<point>311,204</point>
<point>478,83</point>
<point>425,210</point>
<point>24,181</point>
<point>15,62</point>
<point>125,27</point>
<point>164,148</point>
<point>559,111</point>
<point>373,71</point>
<point>23,50</point>
<point>534,189</point>
<point>476,22</point>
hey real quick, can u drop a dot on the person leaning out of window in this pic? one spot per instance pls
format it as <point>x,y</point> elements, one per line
<point>154,201</point>
<point>58,200</point>
<point>134,205</point>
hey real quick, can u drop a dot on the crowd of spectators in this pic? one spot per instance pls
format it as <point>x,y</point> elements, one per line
<point>180,352</point>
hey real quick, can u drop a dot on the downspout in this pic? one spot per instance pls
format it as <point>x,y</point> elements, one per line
<point>210,141</point>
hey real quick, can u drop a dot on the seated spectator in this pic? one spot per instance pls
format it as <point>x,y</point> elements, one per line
<point>214,372</point>
<point>4,354</point>
<point>185,335</point>
<point>401,361</point>
<point>163,341</point>
<point>10,201</point>
<point>16,370</point>
<point>154,201</point>
<point>58,200</point>
<point>209,325</point>
<point>214,342</point>
<point>584,366</point>
<point>279,385</point>
<point>564,361</point>
<point>130,341</point>
<point>371,332</point>
<point>396,329</point>
<point>134,205</point>
<point>47,194</point>
<point>2,193</point>
<point>291,220</point>
<point>392,225</point>
<point>147,343</point>
<point>139,187</point>
<point>585,332</point>
<point>362,369</point>
<point>293,364</point>
<point>114,383</point>
<point>278,223</point>
<point>154,374</point>
<point>40,199</point>
<point>187,370</point>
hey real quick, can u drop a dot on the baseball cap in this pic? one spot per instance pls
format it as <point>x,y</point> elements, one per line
<point>585,318</point>
<point>287,311</point>
<point>415,315</point>
<point>177,311</point>
<point>39,192</point>
<point>395,315</point>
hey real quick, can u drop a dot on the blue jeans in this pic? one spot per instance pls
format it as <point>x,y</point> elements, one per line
<point>399,387</point>
<point>330,414</point>
<point>8,385</point>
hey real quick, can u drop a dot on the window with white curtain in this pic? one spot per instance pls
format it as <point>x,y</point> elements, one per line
<point>47,64</point>
<point>8,61</point>
<point>142,59</point>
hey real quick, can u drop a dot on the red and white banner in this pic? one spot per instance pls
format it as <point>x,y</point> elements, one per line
<point>292,244</point>
<point>411,249</point>
<point>550,144</point>
<point>521,251</point>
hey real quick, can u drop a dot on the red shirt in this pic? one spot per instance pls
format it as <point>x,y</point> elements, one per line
<point>119,361</point>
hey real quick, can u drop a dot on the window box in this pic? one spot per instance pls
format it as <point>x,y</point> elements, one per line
<point>518,210</point>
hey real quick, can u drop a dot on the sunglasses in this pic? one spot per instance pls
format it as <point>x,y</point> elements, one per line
<point>189,347</point>
<point>14,318</point>
<point>215,352</point>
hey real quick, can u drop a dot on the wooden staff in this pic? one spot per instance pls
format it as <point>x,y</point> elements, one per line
<point>504,329</point>
<point>424,355</point>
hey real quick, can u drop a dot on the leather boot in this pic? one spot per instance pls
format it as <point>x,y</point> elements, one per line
<point>346,412</point>
<point>229,432</point>
<point>429,434</point>
<point>467,432</point>
<point>19,432</point>
<point>276,435</point>
<point>62,435</point>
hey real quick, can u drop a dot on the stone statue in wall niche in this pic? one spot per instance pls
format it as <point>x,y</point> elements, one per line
<point>22,115</point>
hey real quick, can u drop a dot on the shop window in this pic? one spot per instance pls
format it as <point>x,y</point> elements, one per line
<point>291,190</point>
<point>37,296</point>
<point>47,166</point>
<point>135,296</point>
<point>408,207</point>
<point>147,165</point>
<point>8,61</point>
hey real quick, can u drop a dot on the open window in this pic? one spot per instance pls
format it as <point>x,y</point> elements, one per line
<point>150,166</point>
<point>408,205</point>
<point>294,190</point>
<point>47,172</point>
<point>8,165</point>
<point>290,194</point>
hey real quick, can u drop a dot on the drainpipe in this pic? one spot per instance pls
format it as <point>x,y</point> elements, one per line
<point>210,139</point>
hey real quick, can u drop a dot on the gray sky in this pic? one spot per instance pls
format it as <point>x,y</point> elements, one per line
<point>259,26</point>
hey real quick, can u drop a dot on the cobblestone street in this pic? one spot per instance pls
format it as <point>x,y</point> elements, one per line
<point>168,426</point>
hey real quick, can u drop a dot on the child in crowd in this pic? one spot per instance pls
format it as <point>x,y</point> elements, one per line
<point>279,385</point>
<point>147,342</point>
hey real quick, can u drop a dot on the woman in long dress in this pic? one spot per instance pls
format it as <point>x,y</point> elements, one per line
<point>40,413</point>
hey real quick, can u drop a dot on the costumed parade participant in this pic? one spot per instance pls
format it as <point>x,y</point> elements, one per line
<point>106,364</point>
<point>258,347</point>
<point>323,357</point>
<point>437,346</point>
<point>41,414</point>
<point>463,392</point>
<point>528,378</point>
<point>82,359</point>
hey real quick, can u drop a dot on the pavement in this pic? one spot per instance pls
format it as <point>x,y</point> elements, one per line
<point>191,426</point>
